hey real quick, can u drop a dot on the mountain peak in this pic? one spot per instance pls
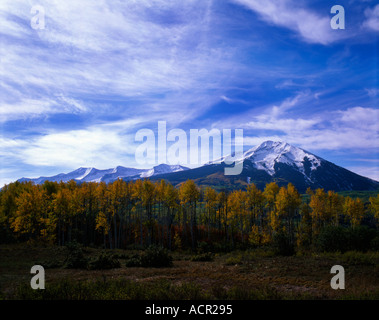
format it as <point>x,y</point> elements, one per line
<point>276,146</point>
<point>270,144</point>
<point>268,153</point>
<point>162,166</point>
<point>165,168</point>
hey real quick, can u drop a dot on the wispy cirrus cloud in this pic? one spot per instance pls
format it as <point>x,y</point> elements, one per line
<point>369,172</point>
<point>26,108</point>
<point>372,18</point>
<point>309,25</point>
<point>372,92</point>
<point>102,146</point>
<point>355,128</point>
<point>130,50</point>
<point>291,120</point>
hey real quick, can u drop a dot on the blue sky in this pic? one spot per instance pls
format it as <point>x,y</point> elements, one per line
<point>75,93</point>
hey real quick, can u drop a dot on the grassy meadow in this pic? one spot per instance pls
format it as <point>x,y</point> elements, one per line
<point>252,274</point>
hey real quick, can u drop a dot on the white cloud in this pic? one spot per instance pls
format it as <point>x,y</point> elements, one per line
<point>275,117</point>
<point>310,26</point>
<point>351,129</point>
<point>360,118</point>
<point>254,141</point>
<point>369,172</point>
<point>288,104</point>
<point>226,99</point>
<point>9,146</point>
<point>372,92</point>
<point>6,176</point>
<point>103,146</point>
<point>73,104</point>
<point>77,147</point>
<point>31,108</point>
<point>372,18</point>
<point>286,125</point>
<point>337,138</point>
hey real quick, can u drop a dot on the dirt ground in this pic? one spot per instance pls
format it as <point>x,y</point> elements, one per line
<point>299,277</point>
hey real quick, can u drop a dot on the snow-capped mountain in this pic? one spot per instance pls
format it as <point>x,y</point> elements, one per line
<point>279,162</point>
<point>109,175</point>
<point>268,154</point>
<point>270,161</point>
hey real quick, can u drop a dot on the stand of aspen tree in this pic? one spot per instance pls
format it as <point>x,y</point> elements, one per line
<point>143,212</point>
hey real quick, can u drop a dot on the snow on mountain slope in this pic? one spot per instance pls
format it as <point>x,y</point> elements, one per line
<point>267,154</point>
<point>108,175</point>
<point>162,169</point>
<point>93,175</point>
<point>165,168</point>
<point>88,170</point>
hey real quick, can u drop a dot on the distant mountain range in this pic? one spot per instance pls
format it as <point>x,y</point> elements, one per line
<point>267,162</point>
<point>109,175</point>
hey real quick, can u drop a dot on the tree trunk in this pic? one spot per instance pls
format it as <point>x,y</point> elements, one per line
<point>115,230</point>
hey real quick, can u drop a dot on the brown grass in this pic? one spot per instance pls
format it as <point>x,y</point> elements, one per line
<point>304,277</point>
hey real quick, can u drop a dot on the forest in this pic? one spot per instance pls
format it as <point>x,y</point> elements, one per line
<point>142,213</point>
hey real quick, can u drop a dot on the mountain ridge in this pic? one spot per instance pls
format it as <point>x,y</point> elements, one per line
<point>267,162</point>
<point>278,162</point>
<point>91,174</point>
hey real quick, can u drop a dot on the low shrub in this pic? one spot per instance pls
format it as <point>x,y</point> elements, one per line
<point>156,257</point>
<point>75,258</point>
<point>222,247</point>
<point>51,264</point>
<point>122,256</point>
<point>134,261</point>
<point>234,260</point>
<point>205,257</point>
<point>104,261</point>
<point>360,258</point>
<point>204,246</point>
<point>152,257</point>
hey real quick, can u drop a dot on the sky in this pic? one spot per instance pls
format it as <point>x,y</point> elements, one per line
<point>79,82</point>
